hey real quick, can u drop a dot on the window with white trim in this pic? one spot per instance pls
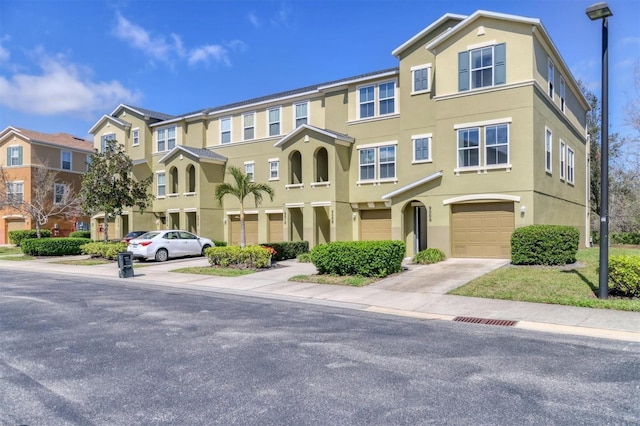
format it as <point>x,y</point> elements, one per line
<point>135,137</point>
<point>88,161</point>
<point>104,139</point>
<point>562,159</point>
<point>421,77</point>
<point>249,170</point>
<point>225,130</point>
<point>469,147</point>
<point>166,139</point>
<point>496,141</point>
<point>421,148</point>
<point>15,191</point>
<point>274,169</point>
<point>548,145</point>
<point>59,191</point>
<point>14,156</point>
<point>550,77</point>
<point>274,121</point>
<point>570,165</point>
<point>486,146</point>
<point>301,113</point>
<point>161,189</point>
<point>563,90</point>
<point>482,67</point>
<point>248,124</point>
<point>377,99</point>
<point>377,163</point>
<point>65,160</point>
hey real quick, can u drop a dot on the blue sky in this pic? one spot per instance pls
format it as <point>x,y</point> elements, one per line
<point>65,63</point>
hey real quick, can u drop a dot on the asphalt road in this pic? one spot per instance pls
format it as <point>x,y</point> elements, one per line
<point>78,351</point>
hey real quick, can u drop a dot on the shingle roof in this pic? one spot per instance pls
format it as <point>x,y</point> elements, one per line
<point>62,139</point>
<point>204,153</point>
<point>153,114</point>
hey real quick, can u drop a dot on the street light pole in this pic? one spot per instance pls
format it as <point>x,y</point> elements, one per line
<point>594,12</point>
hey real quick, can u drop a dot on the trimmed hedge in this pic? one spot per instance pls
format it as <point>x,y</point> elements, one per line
<point>362,258</point>
<point>16,237</point>
<point>624,275</point>
<point>104,250</point>
<point>632,238</point>
<point>219,243</point>
<point>288,249</point>
<point>304,258</point>
<point>237,257</point>
<point>52,246</point>
<point>544,245</point>
<point>430,255</point>
<point>80,234</point>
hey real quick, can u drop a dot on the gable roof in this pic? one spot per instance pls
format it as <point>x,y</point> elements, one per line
<point>340,137</point>
<point>143,112</point>
<point>58,139</point>
<point>116,120</point>
<point>413,184</point>
<point>398,50</point>
<point>201,154</point>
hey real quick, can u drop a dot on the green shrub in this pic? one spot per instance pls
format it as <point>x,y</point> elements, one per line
<point>304,258</point>
<point>632,238</point>
<point>237,257</point>
<point>104,250</point>
<point>544,245</point>
<point>220,243</point>
<point>624,275</point>
<point>80,234</point>
<point>430,255</point>
<point>288,249</point>
<point>52,246</point>
<point>16,237</point>
<point>363,258</point>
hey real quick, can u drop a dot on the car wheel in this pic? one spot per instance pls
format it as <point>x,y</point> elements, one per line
<point>205,247</point>
<point>162,255</point>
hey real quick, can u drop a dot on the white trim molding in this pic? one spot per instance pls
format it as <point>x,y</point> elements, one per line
<point>480,197</point>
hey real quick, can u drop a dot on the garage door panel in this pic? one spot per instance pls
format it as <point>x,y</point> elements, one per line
<point>482,229</point>
<point>375,225</point>
<point>275,228</point>
<point>250,228</point>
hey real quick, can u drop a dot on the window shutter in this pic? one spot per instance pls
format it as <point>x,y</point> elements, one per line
<point>20,155</point>
<point>463,71</point>
<point>500,64</point>
<point>8,156</point>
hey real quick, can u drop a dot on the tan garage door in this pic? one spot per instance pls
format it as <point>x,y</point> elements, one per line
<point>482,230</point>
<point>275,228</point>
<point>14,225</point>
<point>375,224</point>
<point>250,228</point>
<point>111,232</point>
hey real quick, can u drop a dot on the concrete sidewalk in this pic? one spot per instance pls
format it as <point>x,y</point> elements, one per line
<point>418,292</point>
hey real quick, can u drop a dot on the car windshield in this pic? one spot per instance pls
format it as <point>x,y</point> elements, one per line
<point>148,236</point>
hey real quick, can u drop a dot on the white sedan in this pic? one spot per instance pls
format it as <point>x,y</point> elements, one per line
<point>161,245</point>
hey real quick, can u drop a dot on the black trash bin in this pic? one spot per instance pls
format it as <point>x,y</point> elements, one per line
<point>125,264</point>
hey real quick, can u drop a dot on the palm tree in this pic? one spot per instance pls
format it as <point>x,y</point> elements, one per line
<point>243,187</point>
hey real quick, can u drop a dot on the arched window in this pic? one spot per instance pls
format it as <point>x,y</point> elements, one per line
<point>295,168</point>
<point>173,180</point>
<point>321,165</point>
<point>191,178</point>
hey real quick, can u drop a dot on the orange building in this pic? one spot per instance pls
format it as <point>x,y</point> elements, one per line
<point>22,152</point>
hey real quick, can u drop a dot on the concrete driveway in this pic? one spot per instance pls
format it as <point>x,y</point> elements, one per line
<point>441,277</point>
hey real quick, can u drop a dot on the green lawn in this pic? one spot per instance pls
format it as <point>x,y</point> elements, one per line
<point>334,279</point>
<point>10,250</point>
<point>574,285</point>
<point>208,270</point>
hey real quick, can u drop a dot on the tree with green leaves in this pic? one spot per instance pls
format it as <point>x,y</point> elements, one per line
<point>241,187</point>
<point>109,185</point>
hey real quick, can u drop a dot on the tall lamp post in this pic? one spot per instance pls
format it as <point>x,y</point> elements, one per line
<point>594,12</point>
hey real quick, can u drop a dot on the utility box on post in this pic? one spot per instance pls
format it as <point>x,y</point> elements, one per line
<point>125,264</point>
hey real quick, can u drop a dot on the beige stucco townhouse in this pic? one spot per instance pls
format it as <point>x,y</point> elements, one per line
<point>478,131</point>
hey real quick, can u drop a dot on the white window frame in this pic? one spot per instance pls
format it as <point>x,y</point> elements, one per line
<point>428,137</point>
<point>62,154</point>
<point>103,140</point>
<point>245,127</point>
<point>16,149</point>
<point>278,121</point>
<point>163,185</point>
<point>224,131</point>
<point>11,189</point>
<point>272,169</point>
<point>135,136</point>
<point>563,92</point>
<point>487,146</point>
<point>482,68</point>
<point>55,192</point>
<point>302,117</point>
<point>563,156</point>
<point>415,69</point>
<point>571,165</point>
<point>551,71</point>
<point>376,148</point>
<point>250,170</point>
<point>88,162</point>
<point>548,150</point>
<point>166,139</point>
<point>377,99</point>
<point>477,148</point>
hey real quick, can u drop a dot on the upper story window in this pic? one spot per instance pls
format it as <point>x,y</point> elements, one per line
<point>301,113</point>
<point>65,160</point>
<point>570,165</point>
<point>15,191</point>
<point>59,191</point>
<point>104,139</point>
<point>274,169</point>
<point>377,163</point>
<point>482,67</point>
<point>248,124</point>
<point>550,77</point>
<point>249,170</point>
<point>135,137</point>
<point>88,161</point>
<point>563,92</point>
<point>548,142</point>
<point>376,100</point>
<point>14,156</point>
<point>563,160</point>
<point>161,185</point>
<point>225,130</point>
<point>274,121</point>
<point>166,140</point>
<point>469,147</point>
<point>486,146</point>
<point>421,77</point>
<point>496,139</point>
<point>421,148</point>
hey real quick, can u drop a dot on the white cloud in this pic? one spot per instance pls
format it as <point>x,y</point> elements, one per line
<point>207,52</point>
<point>61,88</point>
<point>4,53</point>
<point>253,18</point>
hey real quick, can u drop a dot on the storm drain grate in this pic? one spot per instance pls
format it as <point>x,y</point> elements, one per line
<point>488,321</point>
